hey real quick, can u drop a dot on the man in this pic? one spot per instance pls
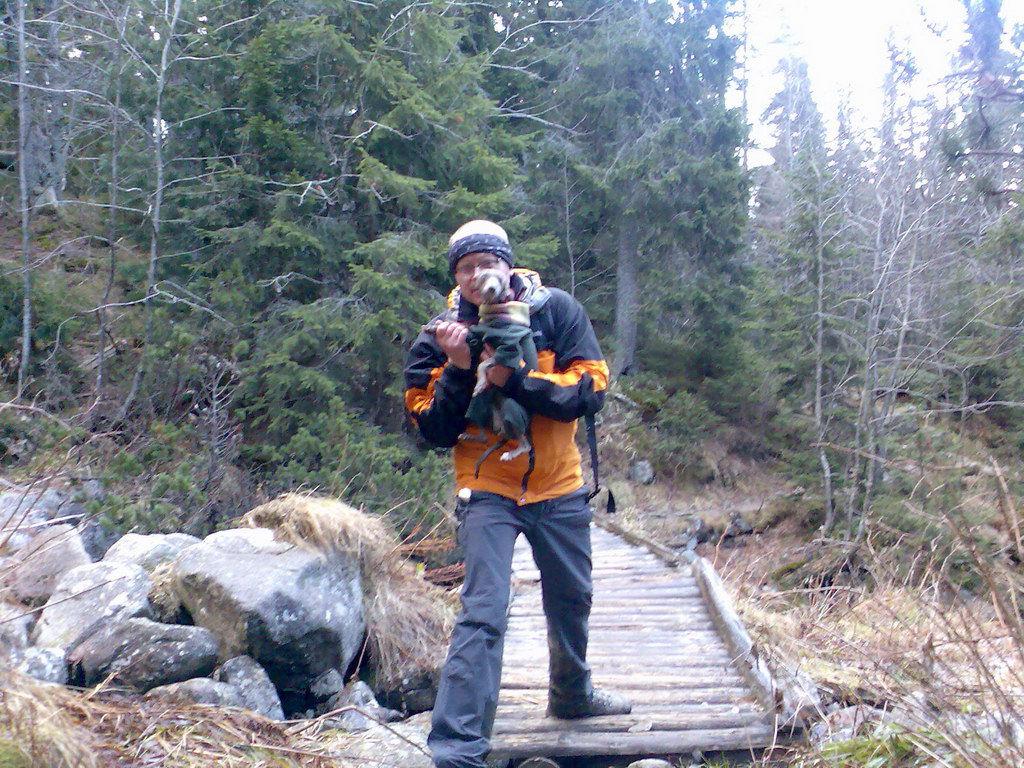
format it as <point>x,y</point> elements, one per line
<point>539,495</point>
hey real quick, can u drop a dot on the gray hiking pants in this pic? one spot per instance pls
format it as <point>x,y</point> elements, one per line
<point>559,533</point>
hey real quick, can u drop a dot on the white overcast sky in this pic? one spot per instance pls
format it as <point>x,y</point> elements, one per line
<point>844,44</point>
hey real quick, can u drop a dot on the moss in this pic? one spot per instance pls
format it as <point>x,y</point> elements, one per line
<point>11,755</point>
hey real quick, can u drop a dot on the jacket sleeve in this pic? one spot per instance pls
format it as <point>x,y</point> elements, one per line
<point>437,393</point>
<point>577,385</point>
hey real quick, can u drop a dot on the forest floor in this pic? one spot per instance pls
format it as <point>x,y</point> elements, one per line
<point>915,649</point>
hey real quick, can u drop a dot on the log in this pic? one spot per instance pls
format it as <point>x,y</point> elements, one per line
<point>735,635</point>
<point>563,744</point>
<point>660,721</point>
<point>599,660</point>
<point>518,679</point>
<point>642,697</point>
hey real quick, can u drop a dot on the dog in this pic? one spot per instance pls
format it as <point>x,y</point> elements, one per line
<point>502,323</point>
<point>504,326</point>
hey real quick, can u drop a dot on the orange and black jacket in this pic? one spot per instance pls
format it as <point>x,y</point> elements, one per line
<point>569,382</point>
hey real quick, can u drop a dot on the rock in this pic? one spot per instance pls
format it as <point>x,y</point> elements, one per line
<point>96,538</point>
<point>167,607</point>
<point>301,617</point>
<point>914,711</point>
<point>45,664</point>
<point>641,472</point>
<point>91,596</point>
<point>650,763</point>
<point>403,744</point>
<point>40,564</point>
<point>253,684</point>
<point>358,696</point>
<point>696,531</point>
<point>199,690</point>
<point>15,624</point>
<point>149,551</point>
<point>845,723</point>
<point>329,684</point>
<point>412,694</point>
<point>24,513</point>
<point>141,654</point>
<point>739,526</point>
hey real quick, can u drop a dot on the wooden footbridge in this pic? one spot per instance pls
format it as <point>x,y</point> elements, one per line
<point>662,632</point>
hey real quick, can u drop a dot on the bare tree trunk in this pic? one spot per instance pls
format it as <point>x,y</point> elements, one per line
<point>24,193</point>
<point>819,364</point>
<point>627,304</point>
<point>115,139</point>
<point>158,196</point>
<point>568,227</point>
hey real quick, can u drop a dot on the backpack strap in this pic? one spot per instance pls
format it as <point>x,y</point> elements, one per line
<point>592,442</point>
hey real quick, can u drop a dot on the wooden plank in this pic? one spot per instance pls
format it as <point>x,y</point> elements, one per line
<point>678,670</point>
<point>530,711</point>
<point>644,697</point>
<point>691,609</point>
<point>618,681</point>
<point>569,743</point>
<point>618,619</point>
<point>659,721</point>
<point>637,629</point>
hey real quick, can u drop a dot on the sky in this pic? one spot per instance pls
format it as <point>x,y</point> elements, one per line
<point>844,44</point>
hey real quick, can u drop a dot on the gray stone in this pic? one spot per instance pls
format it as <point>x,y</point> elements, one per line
<point>650,763</point>
<point>141,654</point>
<point>641,472</point>
<point>91,596</point>
<point>253,685</point>
<point>329,684</point>
<point>403,744</point>
<point>695,531</point>
<point>362,709</point>
<point>199,690</point>
<point>45,664</point>
<point>149,551</point>
<point>411,693</point>
<point>296,612</point>
<point>24,513</point>
<point>40,564</point>
<point>15,624</point>
<point>845,723</point>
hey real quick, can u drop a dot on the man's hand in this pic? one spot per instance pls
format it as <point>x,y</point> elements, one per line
<point>452,339</point>
<point>497,375</point>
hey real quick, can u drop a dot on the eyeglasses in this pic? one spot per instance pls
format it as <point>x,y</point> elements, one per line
<point>467,267</point>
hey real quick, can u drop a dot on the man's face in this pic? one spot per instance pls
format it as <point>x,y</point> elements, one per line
<point>467,268</point>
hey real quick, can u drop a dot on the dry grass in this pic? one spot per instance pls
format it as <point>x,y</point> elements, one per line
<point>408,620</point>
<point>48,726</point>
<point>37,727</point>
<point>948,664</point>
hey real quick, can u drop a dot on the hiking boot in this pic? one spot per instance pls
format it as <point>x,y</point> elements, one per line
<point>600,703</point>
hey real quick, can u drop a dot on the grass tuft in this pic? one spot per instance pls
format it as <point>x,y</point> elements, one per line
<point>408,620</point>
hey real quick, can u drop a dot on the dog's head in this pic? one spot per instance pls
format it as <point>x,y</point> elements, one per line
<point>492,284</point>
